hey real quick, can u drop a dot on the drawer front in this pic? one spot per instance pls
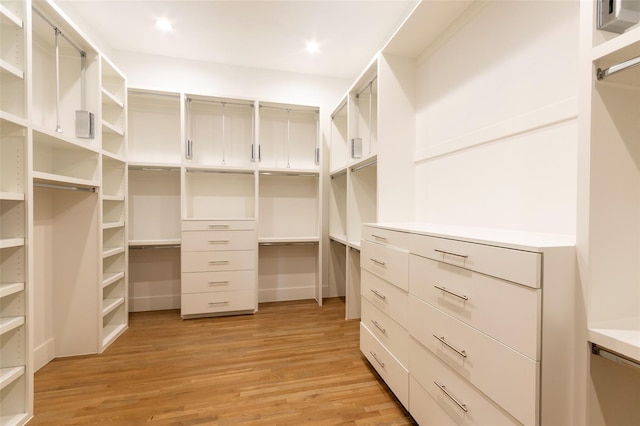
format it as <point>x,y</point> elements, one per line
<point>519,266</point>
<point>388,332</point>
<point>218,225</point>
<point>384,296</point>
<point>424,409</point>
<point>202,261</point>
<point>427,372</point>
<point>205,282</point>
<point>218,240</point>
<point>504,375</point>
<point>386,237</point>
<point>481,301</point>
<point>388,263</point>
<point>391,371</point>
<point>218,301</point>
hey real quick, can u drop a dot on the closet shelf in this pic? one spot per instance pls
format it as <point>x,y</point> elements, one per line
<point>10,323</point>
<point>108,252</point>
<point>616,49</point>
<point>8,17</point>
<point>110,128</point>
<point>113,198</point>
<point>110,333</point>
<point>54,179</point>
<point>9,123</point>
<point>342,239</point>
<point>114,157</point>
<point>110,278</point>
<point>354,245</point>
<point>11,242</point>
<point>361,163</point>
<point>10,69</point>
<point>285,172</point>
<point>341,171</point>
<point>288,240</point>
<point>111,225</point>
<point>111,99</point>
<point>220,169</point>
<point>622,336</point>
<point>12,196</point>
<point>9,375</point>
<point>154,243</point>
<point>154,167</point>
<point>49,138</point>
<point>8,289</point>
<point>109,305</point>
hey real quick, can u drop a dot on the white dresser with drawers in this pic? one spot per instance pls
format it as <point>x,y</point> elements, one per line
<point>470,326</point>
<point>218,262</point>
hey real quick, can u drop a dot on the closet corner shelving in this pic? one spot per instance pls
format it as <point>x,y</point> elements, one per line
<point>289,202</point>
<point>353,192</point>
<point>614,227</point>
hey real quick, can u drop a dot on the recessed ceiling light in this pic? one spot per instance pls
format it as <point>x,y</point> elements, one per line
<point>164,25</point>
<point>312,46</point>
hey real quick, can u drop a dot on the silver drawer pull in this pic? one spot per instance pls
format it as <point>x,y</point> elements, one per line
<point>461,353</point>
<point>377,324</point>
<point>377,293</point>
<point>218,303</point>
<point>464,256</point>
<point>377,360</point>
<point>218,282</point>
<point>218,262</point>
<point>453,293</point>
<point>446,392</point>
<point>218,226</point>
<point>379,237</point>
<point>377,262</point>
<point>218,241</point>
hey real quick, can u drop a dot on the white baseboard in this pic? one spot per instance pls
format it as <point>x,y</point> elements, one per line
<point>154,303</point>
<point>43,354</point>
<point>283,294</point>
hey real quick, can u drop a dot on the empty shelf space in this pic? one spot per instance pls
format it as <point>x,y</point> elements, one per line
<point>8,17</point>
<point>108,305</point>
<point>110,98</point>
<point>9,375</point>
<point>7,68</point>
<point>622,337</point>
<point>110,278</point>
<point>10,323</point>
<point>110,128</point>
<point>8,289</point>
<point>108,252</point>
<point>11,242</point>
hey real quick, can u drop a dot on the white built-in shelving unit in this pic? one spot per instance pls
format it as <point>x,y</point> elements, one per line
<point>354,182</point>
<point>610,124</point>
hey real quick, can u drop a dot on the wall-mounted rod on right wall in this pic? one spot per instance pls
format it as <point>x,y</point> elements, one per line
<point>601,74</point>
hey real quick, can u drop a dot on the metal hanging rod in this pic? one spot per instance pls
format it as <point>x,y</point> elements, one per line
<point>212,101</point>
<point>65,187</point>
<point>340,108</point>
<point>55,27</point>
<point>368,86</point>
<point>155,246</point>
<point>162,95</point>
<point>154,169</point>
<point>362,166</point>
<point>317,111</point>
<point>601,74</point>
<point>288,243</point>
<point>267,173</point>
<point>232,172</point>
<point>612,356</point>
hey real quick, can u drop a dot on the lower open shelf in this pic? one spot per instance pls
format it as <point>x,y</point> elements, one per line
<point>621,336</point>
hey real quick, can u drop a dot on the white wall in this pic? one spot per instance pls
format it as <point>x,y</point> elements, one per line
<point>496,112</point>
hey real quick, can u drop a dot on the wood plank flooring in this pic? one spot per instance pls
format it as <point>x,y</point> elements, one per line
<point>293,363</point>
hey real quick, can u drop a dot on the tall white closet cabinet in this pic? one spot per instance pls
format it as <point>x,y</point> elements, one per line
<point>63,282</point>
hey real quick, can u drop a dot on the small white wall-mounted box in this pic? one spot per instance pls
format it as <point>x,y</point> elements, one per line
<point>618,15</point>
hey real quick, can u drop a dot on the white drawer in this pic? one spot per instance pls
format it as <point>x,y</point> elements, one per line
<point>388,263</point>
<point>386,237</point>
<point>424,409</point>
<point>426,371</point>
<point>504,375</point>
<point>204,282</point>
<point>218,225</point>
<point>506,311</point>
<point>388,298</point>
<point>201,261</point>
<point>218,301</point>
<point>392,372</point>
<point>218,240</point>
<point>519,266</point>
<point>388,332</point>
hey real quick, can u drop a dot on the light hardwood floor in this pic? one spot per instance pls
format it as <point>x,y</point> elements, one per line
<point>293,363</point>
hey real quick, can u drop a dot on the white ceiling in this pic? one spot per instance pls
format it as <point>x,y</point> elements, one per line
<point>267,34</point>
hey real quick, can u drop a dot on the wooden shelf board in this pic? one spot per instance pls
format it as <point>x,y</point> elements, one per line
<point>8,17</point>
<point>112,197</point>
<point>154,243</point>
<point>7,289</point>
<point>288,171</point>
<point>288,240</point>
<point>9,375</point>
<point>60,141</point>
<point>7,68</point>
<point>110,128</point>
<point>109,305</point>
<point>111,225</point>
<point>110,278</point>
<point>12,196</point>
<point>621,336</point>
<point>110,333</point>
<point>50,178</point>
<point>10,323</point>
<point>6,118</point>
<point>11,242</point>
<point>112,252</point>
<point>341,238</point>
<point>111,98</point>
<point>113,156</point>
<point>154,167</point>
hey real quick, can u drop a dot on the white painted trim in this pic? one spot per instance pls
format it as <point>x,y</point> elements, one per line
<point>544,117</point>
<point>43,354</point>
<point>283,294</point>
<point>154,303</point>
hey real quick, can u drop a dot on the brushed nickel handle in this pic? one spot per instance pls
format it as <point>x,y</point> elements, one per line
<point>218,262</point>
<point>453,293</point>
<point>376,358</point>
<point>462,353</point>
<point>464,256</point>
<point>380,295</point>
<point>218,226</point>
<point>218,303</point>
<point>377,324</point>
<point>377,262</point>
<point>218,282</point>
<point>379,237</point>
<point>218,241</point>
<point>446,392</point>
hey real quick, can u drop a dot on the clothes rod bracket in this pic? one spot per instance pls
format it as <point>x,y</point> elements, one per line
<point>65,187</point>
<point>601,74</point>
<point>612,356</point>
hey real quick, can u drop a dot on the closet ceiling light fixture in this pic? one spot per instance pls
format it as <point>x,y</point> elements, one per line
<point>164,25</point>
<point>312,46</point>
